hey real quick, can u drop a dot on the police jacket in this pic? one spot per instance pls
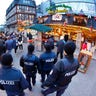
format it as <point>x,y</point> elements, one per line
<point>29,63</point>
<point>13,81</point>
<point>63,72</point>
<point>47,60</point>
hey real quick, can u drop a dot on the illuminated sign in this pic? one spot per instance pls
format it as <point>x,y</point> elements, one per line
<point>58,9</point>
<point>57,17</point>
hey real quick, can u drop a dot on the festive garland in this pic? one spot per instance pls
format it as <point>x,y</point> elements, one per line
<point>53,8</point>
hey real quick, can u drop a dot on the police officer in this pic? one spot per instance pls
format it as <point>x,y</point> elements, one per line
<point>47,60</point>
<point>63,72</point>
<point>11,79</point>
<point>30,62</point>
<point>51,41</point>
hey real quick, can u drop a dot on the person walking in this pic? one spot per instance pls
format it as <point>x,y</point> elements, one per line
<point>30,63</point>
<point>20,42</point>
<point>15,44</point>
<point>11,79</point>
<point>47,61</point>
<point>60,46</point>
<point>2,47</point>
<point>51,41</point>
<point>9,44</point>
<point>63,72</point>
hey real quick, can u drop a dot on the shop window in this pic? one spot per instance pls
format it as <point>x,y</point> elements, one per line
<point>26,1</point>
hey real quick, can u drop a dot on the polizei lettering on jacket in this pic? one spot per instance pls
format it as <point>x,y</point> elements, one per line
<point>49,60</point>
<point>6,82</point>
<point>70,73</point>
<point>28,63</point>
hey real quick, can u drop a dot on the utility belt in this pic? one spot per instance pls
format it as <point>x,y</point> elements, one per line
<point>30,71</point>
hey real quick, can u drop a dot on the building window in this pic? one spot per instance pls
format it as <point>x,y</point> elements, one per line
<point>26,1</point>
<point>18,8</point>
<point>19,16</point>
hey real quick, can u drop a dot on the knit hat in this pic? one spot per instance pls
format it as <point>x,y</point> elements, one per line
<point>69,47</point>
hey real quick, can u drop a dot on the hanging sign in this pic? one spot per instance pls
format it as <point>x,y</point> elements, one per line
<point>57,17</point>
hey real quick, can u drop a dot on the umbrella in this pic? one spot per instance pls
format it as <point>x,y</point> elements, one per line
<point>40,27</point>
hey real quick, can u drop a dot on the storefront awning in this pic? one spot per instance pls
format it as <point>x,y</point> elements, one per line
<point>40,28</point>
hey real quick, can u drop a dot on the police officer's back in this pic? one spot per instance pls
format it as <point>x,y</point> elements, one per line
<point>11,79</point>
<point>47,61</point>
<point>63,71</point>
<point>30,62</point>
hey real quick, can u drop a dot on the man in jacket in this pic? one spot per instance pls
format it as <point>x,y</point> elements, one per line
<point>63,72</point>
<point>11,79</point>
<point>47,61</point>
<point>51,41</point>
<point>60,45</point>
<point>9,44</point>
<point>60,48</point>
<point>30,62</point>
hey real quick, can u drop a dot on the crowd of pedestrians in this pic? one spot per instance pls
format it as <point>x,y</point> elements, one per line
<point>10,42</point>
<point>56,74</point>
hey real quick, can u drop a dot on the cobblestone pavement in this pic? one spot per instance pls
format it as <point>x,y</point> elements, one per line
<point>81,85</point>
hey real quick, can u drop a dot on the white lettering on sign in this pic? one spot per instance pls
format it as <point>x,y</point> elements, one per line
<point>57,17</point>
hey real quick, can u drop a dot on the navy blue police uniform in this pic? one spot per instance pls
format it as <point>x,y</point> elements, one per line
<point>63,71</point>
<point>12,81</point>
<point>61,76</point>
<point>30,64</point>
<point>47,61</point>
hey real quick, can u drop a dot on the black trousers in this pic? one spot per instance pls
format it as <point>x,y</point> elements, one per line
<point>61,54</point>
<point>16,49</point>
<point>20,47</point>
<point>31,78</point>
<point>59,90</point>
<point>43,75</point>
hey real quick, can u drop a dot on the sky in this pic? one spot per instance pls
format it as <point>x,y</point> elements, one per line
<point>4,4</point>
